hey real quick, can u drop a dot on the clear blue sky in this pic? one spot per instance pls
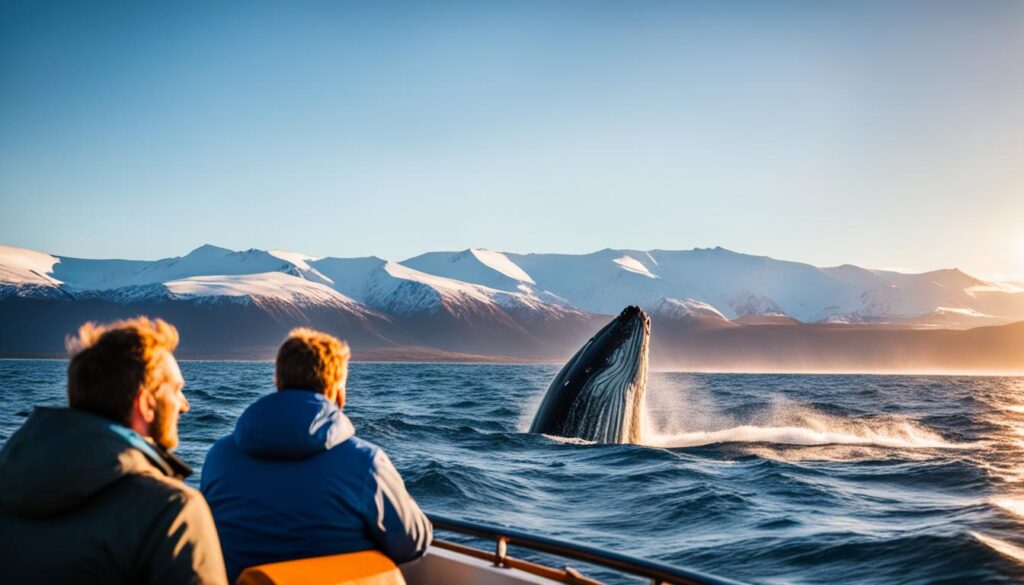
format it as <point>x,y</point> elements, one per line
<point>885,134</point>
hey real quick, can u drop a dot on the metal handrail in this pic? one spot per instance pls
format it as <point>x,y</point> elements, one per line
<point>658,572</point>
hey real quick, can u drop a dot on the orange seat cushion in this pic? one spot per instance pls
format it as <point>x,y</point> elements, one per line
<point>369,567</point>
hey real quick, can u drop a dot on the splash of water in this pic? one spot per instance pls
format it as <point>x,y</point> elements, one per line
<point>904,434</point>
<point>570,440</point>
<point>528,411</point>
<point>677,417</point>
<point>681,419</point>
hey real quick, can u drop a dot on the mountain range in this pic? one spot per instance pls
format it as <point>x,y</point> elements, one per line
<point>711,308</point>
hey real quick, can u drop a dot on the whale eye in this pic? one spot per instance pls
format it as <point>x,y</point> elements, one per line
<point>587,371</point>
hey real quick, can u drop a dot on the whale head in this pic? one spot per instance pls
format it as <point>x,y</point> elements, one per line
<point>599,394</point>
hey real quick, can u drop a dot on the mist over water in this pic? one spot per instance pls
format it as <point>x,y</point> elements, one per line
<point>762,478</point>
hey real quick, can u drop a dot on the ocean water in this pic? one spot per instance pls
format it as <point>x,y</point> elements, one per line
<point>762,478</point>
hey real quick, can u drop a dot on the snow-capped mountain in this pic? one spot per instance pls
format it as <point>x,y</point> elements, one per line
<point>76,274</point>
<point>389,303</point>
<point>546,285</point>
<point>481,301</point>
<point>738,285</point>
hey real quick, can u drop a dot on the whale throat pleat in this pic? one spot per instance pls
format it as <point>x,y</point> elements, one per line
<point>605,409</point>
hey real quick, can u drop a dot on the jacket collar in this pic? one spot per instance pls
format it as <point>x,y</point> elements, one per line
<point>169,463</point>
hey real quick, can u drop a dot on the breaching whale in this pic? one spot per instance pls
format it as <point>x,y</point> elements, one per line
<point>599,394</point>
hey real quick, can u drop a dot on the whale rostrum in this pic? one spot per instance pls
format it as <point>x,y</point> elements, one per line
<point>599,394</point>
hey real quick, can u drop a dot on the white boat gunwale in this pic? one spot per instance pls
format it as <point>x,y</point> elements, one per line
<point>659,573</point>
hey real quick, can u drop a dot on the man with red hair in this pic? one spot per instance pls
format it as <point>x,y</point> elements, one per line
<point>92,493</point>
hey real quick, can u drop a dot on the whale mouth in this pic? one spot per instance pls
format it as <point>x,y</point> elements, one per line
<point>631,311</point>
<point>630,322</point>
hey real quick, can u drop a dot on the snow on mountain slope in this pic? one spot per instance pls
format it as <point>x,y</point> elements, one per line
<point>684,309</point>
<point>483,267</point>
<point>269,290</point>
<point>887,294</point>
<point>25,273</point>
<point>500,263</point>
<point>370,281</point>
<point>85,275</point>
<point>739,285</point>
<point>448,287</point>
<point>602,282</point>
<point>213,261</point>
<point>21,266</point>
<point>275,286</point>
<point>402,290</point>
<point>459,316</point>
<point>35,274</point>
<point>297,258</point>
<point>349,276</point>
<point>633,265</point>
<point>492,270</point>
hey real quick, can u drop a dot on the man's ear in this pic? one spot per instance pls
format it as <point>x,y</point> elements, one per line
<point>143,413</point>
<point>145,406</point>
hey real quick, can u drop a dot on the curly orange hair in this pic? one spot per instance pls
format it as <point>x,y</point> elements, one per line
<point>111,363</point>
<point>311,360</point>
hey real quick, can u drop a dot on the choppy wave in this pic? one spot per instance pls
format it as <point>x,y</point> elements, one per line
<point>1005,548</point>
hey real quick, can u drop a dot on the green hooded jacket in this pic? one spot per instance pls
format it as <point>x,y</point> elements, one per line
<point>84,500</point>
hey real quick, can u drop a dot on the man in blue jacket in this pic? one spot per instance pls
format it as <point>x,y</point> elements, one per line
<point>293,481</point>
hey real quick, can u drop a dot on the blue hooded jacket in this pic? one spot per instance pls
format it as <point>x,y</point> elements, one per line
<point>293,481</point>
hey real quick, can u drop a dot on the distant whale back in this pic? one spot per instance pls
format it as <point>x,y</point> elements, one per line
<point>599,393</point>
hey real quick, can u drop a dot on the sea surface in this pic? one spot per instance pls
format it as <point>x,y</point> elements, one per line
<point>761,478</point>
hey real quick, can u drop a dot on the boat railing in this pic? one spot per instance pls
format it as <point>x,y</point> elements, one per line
<point>503,537</point>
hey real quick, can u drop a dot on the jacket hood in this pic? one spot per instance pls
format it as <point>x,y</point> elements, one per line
<point>60,457</point>
<point>291,424</point>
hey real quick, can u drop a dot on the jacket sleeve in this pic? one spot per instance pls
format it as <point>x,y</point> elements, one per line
<point>182,545</point>
<point>396,523</point>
